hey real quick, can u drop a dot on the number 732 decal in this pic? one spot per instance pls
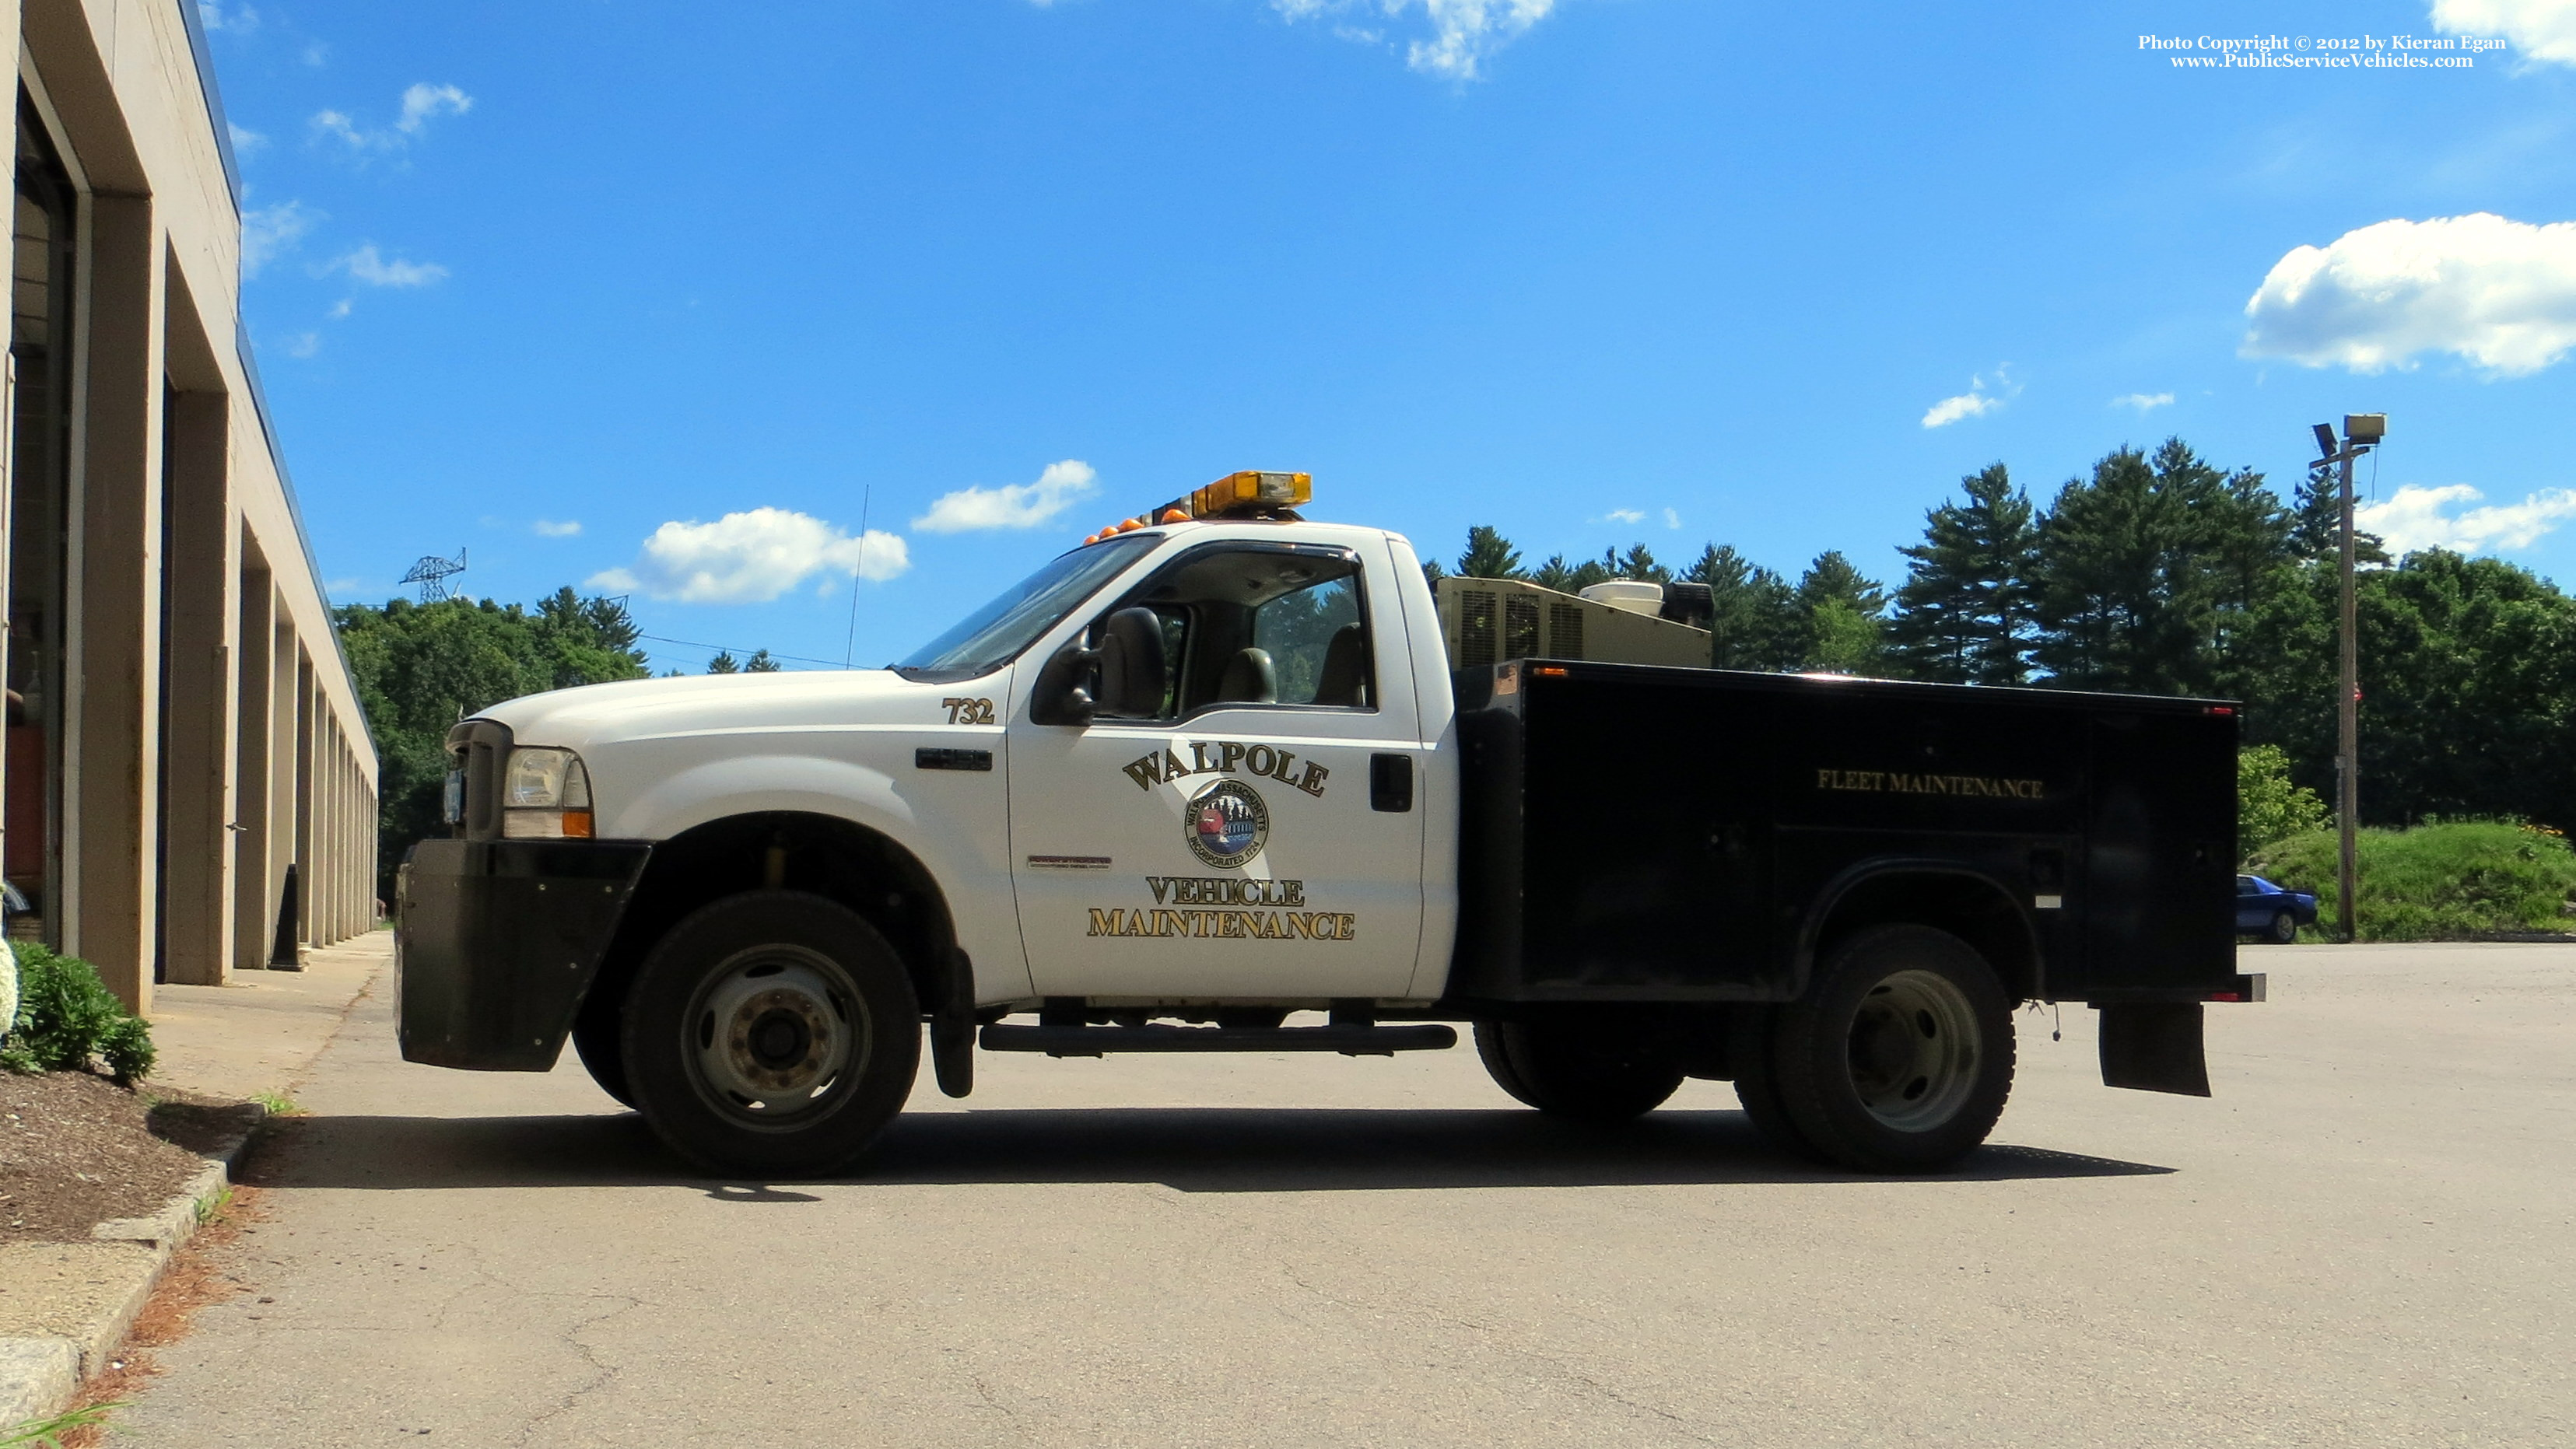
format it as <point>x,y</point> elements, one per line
<point>968,711</point>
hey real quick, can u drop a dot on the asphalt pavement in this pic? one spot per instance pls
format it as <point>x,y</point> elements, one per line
<point>2368,1237</point>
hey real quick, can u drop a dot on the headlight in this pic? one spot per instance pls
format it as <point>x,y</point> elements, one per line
<point>545,795</point>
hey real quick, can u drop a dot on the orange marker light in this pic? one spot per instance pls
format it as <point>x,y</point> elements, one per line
<point>1173,515</point>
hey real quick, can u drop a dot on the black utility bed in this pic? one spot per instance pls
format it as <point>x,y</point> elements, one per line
<point>1632,833</point>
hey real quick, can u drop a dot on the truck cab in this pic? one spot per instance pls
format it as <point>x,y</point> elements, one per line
<point>1210,769</point>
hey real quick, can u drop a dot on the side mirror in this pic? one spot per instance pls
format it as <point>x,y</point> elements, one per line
<point>1059,698</point>
<point>1133,679</point>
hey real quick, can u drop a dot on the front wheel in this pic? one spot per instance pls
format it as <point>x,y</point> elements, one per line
<point>771,1034</point>
<point>1599,1073</point>
<point>2285,928</point>
<point>1900,1056</point>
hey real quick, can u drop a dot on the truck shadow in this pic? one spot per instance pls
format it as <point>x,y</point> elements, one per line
<point>1210,1149</point>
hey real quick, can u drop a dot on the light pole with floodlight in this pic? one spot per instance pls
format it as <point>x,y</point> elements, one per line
<point>2361,433</point>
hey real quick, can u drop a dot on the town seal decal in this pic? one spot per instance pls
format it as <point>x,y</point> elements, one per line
<point>1226,824</point>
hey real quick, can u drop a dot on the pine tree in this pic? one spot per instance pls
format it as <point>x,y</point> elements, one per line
<point>1638,563</point>
<point>2316,530</point>
<point>723,663</point>
<point>1963,615</point>
<point>760,663</point>
<point>1754,620</point>
<point>1845,617</point>
<point>1489,555</point>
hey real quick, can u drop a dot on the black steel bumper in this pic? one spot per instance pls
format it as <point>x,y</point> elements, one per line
<point>498,940</point>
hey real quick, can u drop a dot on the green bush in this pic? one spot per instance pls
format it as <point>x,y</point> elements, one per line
<point>67,1017</point>
<point>2440,882</point>
<point>2270,807</point>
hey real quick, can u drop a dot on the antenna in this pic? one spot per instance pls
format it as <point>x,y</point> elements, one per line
<point>432,573</point>
<point>850,645</point>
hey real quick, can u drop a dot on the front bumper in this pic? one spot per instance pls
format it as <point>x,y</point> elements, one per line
<point>497,941</point>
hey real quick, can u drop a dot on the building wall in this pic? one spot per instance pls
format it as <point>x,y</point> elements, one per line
<point>188,736</point>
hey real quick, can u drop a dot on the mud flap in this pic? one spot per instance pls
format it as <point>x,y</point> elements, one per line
<point>952,1030</point>
<point>2154,1046</point>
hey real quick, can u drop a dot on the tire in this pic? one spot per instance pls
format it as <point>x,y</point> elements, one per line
<point>1900,1055</point>
<point>1749,1052</point>
<point>771,1035</point>
<point>2285,929</point>
<point>595,1033</point>
<point>1597,1074</point>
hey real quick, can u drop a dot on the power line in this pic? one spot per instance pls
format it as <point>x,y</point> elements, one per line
<point>850,645</point>
<point>731,649</point>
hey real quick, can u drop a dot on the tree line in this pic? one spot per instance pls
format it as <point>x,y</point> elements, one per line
<point>2157,573</point>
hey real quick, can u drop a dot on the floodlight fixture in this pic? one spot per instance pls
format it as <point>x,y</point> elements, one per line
<point>2325,441</point>
<point>2364,428</point>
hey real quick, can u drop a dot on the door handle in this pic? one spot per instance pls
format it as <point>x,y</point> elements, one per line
<point>1391,783</point>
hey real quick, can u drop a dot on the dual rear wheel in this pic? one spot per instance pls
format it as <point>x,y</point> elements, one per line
<point>1898,1059</point>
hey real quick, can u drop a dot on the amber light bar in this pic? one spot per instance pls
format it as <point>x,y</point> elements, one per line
<point>1251,493</point>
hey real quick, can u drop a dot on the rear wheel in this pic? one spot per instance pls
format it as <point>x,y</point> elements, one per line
<point>1749,1053</point>
<point>2285,928</point>
<point>772,1034</point>
<point>1900,1056</point>
<point>1599,1073</point>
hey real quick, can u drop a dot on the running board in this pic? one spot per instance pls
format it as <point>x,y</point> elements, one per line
<point>1092,1041</point>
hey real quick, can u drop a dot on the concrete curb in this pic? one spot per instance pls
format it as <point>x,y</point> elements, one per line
<point>40,1375</point>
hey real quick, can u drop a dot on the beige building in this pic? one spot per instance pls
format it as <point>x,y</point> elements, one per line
<point>182,730</point>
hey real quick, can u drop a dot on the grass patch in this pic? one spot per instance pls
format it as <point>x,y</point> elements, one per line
<point>278,1104</point>
<point>2449,881</point>
<point>48,1433</point>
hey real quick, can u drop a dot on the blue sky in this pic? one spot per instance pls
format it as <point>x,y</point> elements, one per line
<point>664,297</point>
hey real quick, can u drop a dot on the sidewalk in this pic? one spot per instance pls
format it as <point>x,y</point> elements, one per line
<point>64,1307</point>
<point>261,1033</point>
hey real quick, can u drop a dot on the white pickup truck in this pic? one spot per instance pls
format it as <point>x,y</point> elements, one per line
<point>1219,766</point>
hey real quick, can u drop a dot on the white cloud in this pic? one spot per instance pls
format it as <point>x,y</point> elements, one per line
<point>338,310</point>
<point>2419,517</point>
<point>241,19</point>
<point>752,558</point>
<point>2145,402</point>
<point>2500,293</point>
<point>303,344</point>
<point>423,100</point>
<point>368,265</point>
<point>246,142</point>
<point>547,528</point>
<point>1977,401</point>
<point>1018,505</point>
<point>271,231</point>
<point>1463,32</point>
<point>1625,515</point>
<point>1672,518</point>
<point>2540,29</point>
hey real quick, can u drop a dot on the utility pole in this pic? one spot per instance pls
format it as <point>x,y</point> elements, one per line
<point>2361,432</point>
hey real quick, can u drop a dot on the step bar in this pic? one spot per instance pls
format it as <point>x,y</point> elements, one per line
<point>1090,1041</point>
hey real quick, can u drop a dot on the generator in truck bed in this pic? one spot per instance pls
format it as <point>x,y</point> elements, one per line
<point>1220,766</point>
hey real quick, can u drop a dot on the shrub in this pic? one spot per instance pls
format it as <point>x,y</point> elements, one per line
<point>67,1017</point>
<point>2270,807</point>
<point>2439,882</point>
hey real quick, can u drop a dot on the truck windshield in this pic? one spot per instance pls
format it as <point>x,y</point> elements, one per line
<point>995,634</point>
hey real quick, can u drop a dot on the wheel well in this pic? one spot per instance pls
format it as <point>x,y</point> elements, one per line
<point>1974,909</point>
<point>833,858</point>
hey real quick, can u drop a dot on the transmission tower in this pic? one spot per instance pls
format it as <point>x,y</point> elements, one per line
<point>432,573</point>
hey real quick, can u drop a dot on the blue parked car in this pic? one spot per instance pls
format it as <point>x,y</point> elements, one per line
<point>2266,910</point>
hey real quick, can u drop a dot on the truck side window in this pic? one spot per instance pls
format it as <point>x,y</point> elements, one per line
<point>1263,626</point>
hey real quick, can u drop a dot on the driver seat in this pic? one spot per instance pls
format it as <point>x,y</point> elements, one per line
<point>1249,678</point>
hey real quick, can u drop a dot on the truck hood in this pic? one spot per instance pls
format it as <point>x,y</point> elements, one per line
<point>643,709</point>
